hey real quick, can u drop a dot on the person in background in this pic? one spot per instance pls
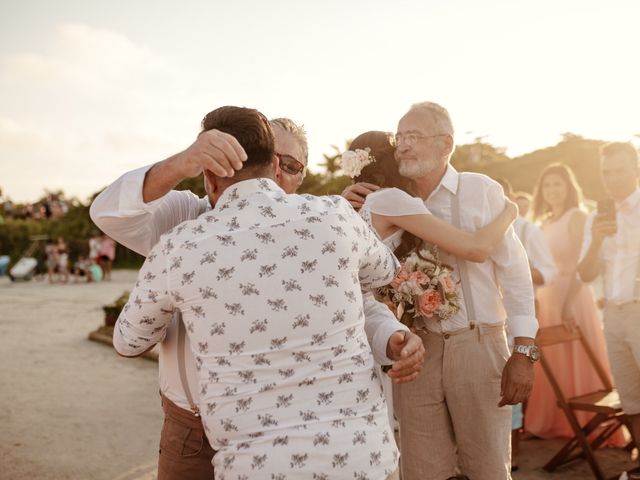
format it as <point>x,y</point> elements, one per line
<point>94,247</point>
<point>51,250</point>
<point>541,262</point>
<point>63,260</point>
<point>611,248</point>
<point>558,205</point>
<point>106,255</point>
<point>543,271</point>
<point>523,200</point>
<point>81,269</point>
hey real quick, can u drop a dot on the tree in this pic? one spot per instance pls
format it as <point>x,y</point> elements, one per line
<point>332,163</point>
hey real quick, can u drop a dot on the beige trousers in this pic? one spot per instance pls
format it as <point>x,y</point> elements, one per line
<point>622,333</point>
<point>453,404</point>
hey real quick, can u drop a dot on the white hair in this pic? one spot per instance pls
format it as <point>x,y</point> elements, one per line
<point>438,114</point>
<point>298,132</point>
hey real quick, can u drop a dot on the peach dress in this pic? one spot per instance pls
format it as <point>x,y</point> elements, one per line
<point>569,362</point>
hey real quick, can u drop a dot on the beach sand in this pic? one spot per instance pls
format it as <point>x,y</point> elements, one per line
<point>71,408</point>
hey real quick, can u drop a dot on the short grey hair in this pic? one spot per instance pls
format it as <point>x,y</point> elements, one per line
<point>298,132</point>
<point>439,115</point>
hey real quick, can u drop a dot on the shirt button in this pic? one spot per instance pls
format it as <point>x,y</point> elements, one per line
<point>446,336</point>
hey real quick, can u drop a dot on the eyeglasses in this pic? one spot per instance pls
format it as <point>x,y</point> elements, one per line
<point>410,139</point>
<point>290,165</point>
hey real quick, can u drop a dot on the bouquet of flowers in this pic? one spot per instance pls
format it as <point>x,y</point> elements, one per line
<point>423,287</point>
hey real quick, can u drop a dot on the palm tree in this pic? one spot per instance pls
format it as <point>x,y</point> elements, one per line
<point>332,160</point>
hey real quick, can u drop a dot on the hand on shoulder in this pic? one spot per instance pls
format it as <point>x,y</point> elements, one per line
<point>356,194</point>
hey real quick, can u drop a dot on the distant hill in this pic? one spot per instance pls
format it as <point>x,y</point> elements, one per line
<point>581,154</point>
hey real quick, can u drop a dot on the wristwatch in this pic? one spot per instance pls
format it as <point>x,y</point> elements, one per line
<point>530,351</point>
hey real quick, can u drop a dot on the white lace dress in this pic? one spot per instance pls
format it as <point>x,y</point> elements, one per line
<point>391,202</point>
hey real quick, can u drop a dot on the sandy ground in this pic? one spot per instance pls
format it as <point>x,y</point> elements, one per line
<point>72,409</point>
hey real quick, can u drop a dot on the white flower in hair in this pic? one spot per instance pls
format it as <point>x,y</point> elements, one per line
<point>354,161</point>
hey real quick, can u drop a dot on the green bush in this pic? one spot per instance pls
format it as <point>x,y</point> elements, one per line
<point>75,227</point>
<point>112,311</point>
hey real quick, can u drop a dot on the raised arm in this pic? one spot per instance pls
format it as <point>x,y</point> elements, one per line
<point>140,206</point>
<point>473,246</point>
<point>597,228</point>
<point>213,150</point>
<point>120,212</point>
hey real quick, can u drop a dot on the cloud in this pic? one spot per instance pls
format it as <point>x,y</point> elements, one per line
<point>89,104</point>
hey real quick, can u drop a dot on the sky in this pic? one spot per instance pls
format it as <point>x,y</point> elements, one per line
<point>89,90</point>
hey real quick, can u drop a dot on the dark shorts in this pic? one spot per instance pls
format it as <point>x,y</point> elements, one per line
<point>185,452</point>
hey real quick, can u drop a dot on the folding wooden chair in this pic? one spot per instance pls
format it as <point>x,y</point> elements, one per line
<point>604,404</point>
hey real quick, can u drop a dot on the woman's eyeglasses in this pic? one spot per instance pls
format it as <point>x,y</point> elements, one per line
<point>289,164</point>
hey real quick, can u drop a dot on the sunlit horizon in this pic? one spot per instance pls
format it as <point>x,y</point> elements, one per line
<point>89,91</point>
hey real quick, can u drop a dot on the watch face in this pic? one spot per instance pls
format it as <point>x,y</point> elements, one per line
<point>534,354</point>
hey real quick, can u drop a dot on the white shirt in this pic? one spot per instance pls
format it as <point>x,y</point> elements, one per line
<point>619,253</point>
<point>507,269</point>
<point>121,213</point>
<point>269,287</point>
<point>535,245</point>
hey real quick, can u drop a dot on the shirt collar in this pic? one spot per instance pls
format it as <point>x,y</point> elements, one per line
<point>449,181</point>
<point>245,188</point>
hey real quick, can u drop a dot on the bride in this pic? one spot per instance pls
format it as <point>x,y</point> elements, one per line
<point>403,221</point>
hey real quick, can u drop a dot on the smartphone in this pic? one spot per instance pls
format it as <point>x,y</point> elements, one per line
<point>607,209</point>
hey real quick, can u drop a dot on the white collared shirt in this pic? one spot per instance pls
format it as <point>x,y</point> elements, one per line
<point>538,253</point>
<point>620,253</point>
<point>121,213</point>
<point>269,287</point>
<point>504,280</point>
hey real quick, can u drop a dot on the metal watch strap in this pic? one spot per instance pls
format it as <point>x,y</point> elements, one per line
<point>519,349</point>
<point>182,369</point>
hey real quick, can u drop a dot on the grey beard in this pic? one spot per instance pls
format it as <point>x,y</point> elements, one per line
<point>416,169</point>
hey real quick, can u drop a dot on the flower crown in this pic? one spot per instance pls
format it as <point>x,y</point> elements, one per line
<point>354,161</point>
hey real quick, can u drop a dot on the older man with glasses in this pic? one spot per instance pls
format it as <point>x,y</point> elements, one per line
<point>140,206</point>
<point>454,414</point>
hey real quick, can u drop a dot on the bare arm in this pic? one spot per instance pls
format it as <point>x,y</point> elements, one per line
<point>472,246</point>
<point>213,150</point>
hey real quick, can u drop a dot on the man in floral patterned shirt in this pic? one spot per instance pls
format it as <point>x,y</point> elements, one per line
<point>269,288</point>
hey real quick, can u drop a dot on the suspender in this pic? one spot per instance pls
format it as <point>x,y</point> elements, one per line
<point>461,263</point>
<point>182,370</point>
<point>636,290</point>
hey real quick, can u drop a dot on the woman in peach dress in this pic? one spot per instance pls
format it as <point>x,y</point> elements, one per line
<point>558,204</point>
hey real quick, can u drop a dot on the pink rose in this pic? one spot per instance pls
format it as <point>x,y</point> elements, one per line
<point>401,277</point>
<point>428,303</point>
<point>419,277</point>
<point>448,285</point>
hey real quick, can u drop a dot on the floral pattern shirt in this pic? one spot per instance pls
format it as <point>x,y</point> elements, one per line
<point>269,287</point>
